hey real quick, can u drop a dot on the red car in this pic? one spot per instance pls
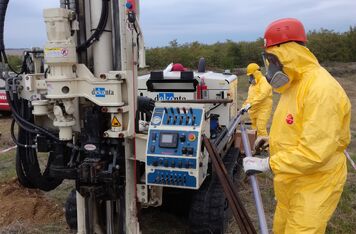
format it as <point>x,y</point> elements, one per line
<point>4,105</point>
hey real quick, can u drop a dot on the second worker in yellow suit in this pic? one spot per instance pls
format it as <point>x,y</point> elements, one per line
<point>260,99</point>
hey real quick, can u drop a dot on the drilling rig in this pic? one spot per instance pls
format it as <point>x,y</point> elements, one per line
<point>124,140</point>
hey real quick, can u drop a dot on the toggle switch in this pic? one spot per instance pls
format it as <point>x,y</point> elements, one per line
<point>193,121</point>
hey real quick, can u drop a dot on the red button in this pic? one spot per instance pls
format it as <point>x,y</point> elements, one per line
<point>192,137</point>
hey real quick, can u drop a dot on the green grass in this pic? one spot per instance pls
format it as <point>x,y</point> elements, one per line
<point>7,166</point>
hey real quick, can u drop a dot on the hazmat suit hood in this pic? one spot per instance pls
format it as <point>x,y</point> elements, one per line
<point>258,76</point>
<point>296,60</point>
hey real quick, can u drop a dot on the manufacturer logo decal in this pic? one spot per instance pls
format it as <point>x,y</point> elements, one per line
<point>290,119</point>
<point>89,147</point>
<point>102,92</point>
<point>168,97</point>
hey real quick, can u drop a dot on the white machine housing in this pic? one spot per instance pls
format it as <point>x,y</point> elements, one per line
<point>219,86</point>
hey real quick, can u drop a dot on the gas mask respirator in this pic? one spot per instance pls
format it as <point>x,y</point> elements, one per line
<point>275,75</point>
<point>252,80</point>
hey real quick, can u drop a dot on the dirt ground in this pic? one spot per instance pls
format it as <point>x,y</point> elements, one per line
<point>32,211</point>
<point>26,206</point>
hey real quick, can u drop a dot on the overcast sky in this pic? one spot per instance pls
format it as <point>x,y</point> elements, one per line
<point>206,21</point>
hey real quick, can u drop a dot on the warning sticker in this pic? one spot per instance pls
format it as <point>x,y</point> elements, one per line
<point>56,52</point>
<point>115,122</point>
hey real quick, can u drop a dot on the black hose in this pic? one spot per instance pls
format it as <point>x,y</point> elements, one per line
<point>13,137</point>
<point>27,164</point>
<point>3,8</point>
<point>24,121</point>
<point>99,29</point>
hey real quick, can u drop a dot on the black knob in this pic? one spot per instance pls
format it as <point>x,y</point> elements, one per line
<point>173,164</point>
<point>184,150</point>
<point>155,163</point>
<point>187,120</point>
<point>178,110</point>
<point>193,121</point>
<point>184,180</point>
<point>184,110</point>
<point>172,110</point>
<point>154,136</point>
<point>166,163</point>
<point>191,110</point>
<point>180,164</point>
<point>152,149</point>
<point>183,138</point>
<point>186,165</point>
<point>168,120</point>
<point>190,151</point>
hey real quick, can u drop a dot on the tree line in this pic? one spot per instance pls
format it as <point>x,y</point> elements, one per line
<point>327,45</point>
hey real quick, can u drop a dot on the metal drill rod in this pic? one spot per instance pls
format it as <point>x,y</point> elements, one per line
<point>254,183</point>
<point>109,217</point>
<point>89,215</point>
<point>238,210</point>
<point>234,125</point>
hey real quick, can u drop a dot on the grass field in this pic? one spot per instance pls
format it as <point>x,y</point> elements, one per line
<point>343,220</point>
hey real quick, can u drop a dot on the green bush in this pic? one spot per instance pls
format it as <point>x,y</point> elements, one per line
<point>327,45</point>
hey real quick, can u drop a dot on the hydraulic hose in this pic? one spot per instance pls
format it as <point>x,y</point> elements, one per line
<point>3,8</point>
<point>99,29</point>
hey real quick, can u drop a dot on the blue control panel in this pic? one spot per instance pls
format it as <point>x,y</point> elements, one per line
<point>173,147</point>
<point>173,116</point>
<point>174,178</point>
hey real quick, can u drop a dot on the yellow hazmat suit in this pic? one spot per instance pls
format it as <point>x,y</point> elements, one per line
<point>260,98</point>
<point>310,131</point>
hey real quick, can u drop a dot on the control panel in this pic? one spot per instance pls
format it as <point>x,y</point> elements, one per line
<point>174,156</point>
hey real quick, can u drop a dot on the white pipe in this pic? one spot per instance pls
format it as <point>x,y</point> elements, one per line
<point>80,213</point>
<point>254,184</point>
<point>102,49</point>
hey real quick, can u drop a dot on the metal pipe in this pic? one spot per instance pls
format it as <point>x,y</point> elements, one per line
<point>102,49</point>
<point>109,217</point>
<point>80,213</point>
<point>73,5</point>
<point>234,125</point>
<point>254,184</point>
<point>63,3</point>
<point>116,39</point>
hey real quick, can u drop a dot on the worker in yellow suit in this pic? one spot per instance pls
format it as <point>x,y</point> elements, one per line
<point>260,99</point>
<point>309,133</point>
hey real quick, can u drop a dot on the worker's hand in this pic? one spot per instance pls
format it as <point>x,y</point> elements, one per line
<point>253,165</point>
<point>245,108</point>
<point>143,126</point>
<point>261,143</point>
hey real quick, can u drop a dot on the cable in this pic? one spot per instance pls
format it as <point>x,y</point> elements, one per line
<point>99,29</point>
<point>13,137</point>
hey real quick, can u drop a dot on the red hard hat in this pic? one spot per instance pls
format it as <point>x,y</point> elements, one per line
<point>178,67</point>
<point>284,30</point>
